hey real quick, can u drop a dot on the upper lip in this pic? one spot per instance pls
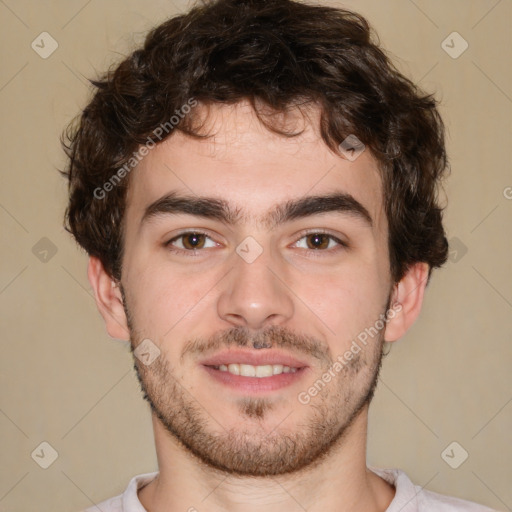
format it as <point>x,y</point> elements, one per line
<point>259,357</point>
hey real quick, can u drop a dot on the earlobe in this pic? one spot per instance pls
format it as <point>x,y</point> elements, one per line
<point>408,293</point>
<point>108,300</point>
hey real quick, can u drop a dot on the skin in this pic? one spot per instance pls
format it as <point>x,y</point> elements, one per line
<point>235,450</point>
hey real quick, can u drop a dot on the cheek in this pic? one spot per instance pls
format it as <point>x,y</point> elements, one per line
<point>346,302</point>
<point>173,305</point>
<point>161,297</point>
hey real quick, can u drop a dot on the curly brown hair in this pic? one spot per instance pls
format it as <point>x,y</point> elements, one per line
<point>278,54</point>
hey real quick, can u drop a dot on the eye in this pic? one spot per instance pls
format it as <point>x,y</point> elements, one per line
<point>190,241</point>
<point>319,241</point>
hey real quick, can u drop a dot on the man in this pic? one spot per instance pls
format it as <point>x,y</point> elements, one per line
<point>256,188</point>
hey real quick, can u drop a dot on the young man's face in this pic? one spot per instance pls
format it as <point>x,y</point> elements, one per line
<point>268,284</point>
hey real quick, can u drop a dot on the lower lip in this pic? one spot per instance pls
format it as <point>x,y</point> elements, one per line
<point>255,384</point>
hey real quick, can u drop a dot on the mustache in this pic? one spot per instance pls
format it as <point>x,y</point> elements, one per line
<point>272,337</point>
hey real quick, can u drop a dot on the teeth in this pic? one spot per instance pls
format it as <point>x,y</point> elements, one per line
<point>232,368</point>
<point>247,370</point>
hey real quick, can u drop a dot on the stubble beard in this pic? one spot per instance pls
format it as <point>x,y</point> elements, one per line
<point>250,449</point>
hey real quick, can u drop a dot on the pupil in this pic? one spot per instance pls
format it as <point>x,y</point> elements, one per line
<point>193,240</point>
<point>318,241</point>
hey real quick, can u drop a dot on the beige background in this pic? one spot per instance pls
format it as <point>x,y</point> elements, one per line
<point>65,382</point>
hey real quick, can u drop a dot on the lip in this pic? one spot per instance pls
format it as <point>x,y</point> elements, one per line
<point>255,385</point>
<point>259,357</point>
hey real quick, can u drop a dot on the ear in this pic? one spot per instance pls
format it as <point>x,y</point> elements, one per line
<point>108,300</point>
<point>408,293</point>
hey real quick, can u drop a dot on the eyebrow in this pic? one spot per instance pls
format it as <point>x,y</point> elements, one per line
<point>219,209</point>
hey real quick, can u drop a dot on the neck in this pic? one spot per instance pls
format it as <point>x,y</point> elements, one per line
<point>340,482</point>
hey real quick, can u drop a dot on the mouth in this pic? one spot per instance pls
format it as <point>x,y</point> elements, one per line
<point>254,372</point>
<point>248,370</point>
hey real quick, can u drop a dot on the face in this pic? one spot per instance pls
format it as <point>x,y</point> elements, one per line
<point>252,262</point>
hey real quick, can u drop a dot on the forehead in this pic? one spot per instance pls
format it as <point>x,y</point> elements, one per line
<point>252,168</point>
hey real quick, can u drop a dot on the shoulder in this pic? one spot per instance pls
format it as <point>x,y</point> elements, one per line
<point>128,501</point>
<point>111,505</point>
<point>428,500</point>
<point>414,498</point>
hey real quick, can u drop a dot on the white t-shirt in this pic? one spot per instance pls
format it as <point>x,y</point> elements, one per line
<point>408,497</point>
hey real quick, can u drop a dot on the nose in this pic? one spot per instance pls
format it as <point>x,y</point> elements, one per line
<point>254,295</point>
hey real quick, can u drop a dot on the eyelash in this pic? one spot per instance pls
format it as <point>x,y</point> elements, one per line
<point>315,252</point>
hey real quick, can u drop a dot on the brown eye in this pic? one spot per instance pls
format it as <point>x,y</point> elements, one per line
<point>189,242</point>
<point>321,242</point>
<point>317,241</point>
<point>193,241</point>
